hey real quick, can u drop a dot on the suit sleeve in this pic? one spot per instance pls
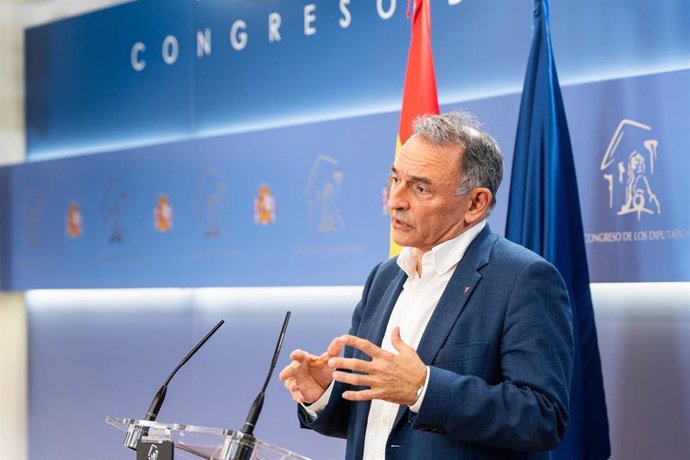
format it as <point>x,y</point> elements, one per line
<point>334,419</point>
<point>527,409</point>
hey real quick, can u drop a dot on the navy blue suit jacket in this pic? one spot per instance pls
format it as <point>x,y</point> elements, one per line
<point>500,350</point>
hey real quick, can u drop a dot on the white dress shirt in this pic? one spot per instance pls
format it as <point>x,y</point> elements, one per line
<point>411,312</point>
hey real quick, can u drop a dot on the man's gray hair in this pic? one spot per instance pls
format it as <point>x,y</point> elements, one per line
<point>482,160</point>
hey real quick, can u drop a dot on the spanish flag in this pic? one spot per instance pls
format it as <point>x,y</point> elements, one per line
<point>419,93</point>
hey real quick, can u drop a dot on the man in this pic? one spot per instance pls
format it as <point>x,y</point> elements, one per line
<point>461,347</point>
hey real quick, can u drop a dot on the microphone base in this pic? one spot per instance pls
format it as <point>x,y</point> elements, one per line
<point>241,446</point>
<point>132,437</point>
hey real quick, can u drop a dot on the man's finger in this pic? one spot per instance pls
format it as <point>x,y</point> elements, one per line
<point>291,385</point>
<point>352,364</point>
<point>362,345</point>
<point>299,355</point>
<point>286,373</point>
<point>319,360</point>
<point>297,396</point>
<point>397,341</point>
<point>290,370</point>
<point>336,347</point>
<point>362,395</point>
<point>361,380</point>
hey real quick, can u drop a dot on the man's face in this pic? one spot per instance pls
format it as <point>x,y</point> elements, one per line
<point>425,210</point>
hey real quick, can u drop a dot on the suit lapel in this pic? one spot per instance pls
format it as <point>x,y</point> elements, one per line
<point>454,299</point>
<point>373,327</point>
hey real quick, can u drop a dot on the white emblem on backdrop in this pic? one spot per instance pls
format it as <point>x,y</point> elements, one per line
<point>112,208</point>
<point>628,167</point>
<point>33,206</point>
<point>210,196</point>
<point>322,192</point>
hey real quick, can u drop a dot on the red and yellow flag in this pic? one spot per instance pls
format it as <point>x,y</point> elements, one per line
<point>419,93</point>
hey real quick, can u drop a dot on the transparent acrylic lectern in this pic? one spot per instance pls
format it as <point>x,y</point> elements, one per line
<point>195,442</point>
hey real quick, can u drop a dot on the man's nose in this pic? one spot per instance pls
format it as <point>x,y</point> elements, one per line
<point>397,198</point>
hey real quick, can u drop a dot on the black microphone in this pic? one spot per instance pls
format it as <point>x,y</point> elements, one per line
<point>132,439</point>
<point>245,447</point>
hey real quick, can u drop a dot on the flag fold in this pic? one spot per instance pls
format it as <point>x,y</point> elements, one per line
<point>544,216</point>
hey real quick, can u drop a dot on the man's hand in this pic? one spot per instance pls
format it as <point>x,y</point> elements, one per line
<point>308,376</point>
<point>393,378</point>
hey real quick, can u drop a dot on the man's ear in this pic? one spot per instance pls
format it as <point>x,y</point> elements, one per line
<point>480,200</point>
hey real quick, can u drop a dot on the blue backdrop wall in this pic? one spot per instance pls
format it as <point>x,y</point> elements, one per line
<point>208,114</point>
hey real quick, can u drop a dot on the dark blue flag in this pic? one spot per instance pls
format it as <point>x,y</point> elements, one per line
<point>544,216</point>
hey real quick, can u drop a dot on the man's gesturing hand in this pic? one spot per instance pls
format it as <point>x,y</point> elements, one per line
<point>392,377</point>
<point>308,376</point>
